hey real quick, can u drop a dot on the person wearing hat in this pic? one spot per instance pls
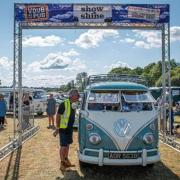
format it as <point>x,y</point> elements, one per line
<point>64,126</point>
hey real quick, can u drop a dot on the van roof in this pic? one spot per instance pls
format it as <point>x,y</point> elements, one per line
<point>117,86</point>
<point>172,87</point>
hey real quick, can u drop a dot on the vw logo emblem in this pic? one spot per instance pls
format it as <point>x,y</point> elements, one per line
<point>121,127</point>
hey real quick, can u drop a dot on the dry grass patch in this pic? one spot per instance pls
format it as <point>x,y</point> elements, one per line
<point>7,133</point>
<point>39,159</point>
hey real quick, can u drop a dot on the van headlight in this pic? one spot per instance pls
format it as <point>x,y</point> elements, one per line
<point>94,138</point>
<point>89,126</point>
<point>148,138</point>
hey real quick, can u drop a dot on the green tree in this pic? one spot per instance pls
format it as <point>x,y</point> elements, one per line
<point>175,76</point>
<point>81,80</point>
<point>121,70</point>
<point>152,73</point>
<point>137,71</point>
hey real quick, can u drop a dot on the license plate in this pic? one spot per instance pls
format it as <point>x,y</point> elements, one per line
<point>123,155</point>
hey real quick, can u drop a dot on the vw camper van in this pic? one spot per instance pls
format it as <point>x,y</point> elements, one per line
<point>38,96</point>
<point>118,124</point>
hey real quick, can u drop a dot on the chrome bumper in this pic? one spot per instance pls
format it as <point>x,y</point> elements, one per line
<point>100,160</point>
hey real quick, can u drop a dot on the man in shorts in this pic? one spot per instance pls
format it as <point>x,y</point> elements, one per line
<point>64,126</point>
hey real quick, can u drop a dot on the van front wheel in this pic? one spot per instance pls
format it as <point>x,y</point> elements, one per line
<point>83,164</point>
<point>150,166</point>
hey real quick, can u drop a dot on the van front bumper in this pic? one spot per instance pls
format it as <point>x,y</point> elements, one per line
<point>100,160</point>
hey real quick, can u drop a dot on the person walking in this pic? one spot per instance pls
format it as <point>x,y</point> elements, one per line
<point>172,121</point>
<point>3,110</point>
<point>26,101</point>
<point>51,111</point>
<point>65,118</point>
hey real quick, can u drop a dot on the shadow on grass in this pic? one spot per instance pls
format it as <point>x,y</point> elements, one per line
<point>8,167</point>
<point>70,174</point>
<point>40,117</point>
<point>12,171</point>
<point>159,172</point>
<point>35,116</point>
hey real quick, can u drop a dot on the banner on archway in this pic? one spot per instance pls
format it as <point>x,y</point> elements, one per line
<point>92,13</point>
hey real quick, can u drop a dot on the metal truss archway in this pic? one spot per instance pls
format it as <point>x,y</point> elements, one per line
<point>163,27</point>
<point>165,32</point>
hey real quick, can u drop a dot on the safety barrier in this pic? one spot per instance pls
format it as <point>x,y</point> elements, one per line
<point>15,143</point>
<point>170,141</point>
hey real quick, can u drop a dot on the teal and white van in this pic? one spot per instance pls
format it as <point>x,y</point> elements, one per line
<point>118,125</point>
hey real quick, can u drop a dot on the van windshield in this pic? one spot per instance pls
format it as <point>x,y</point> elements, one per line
<point>138,97</point>
<point>136,101</point>
<point>124,101</point>
<point>39,95</point>
<point>98,101</point>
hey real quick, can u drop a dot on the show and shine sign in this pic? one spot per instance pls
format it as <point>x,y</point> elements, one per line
<point>92,13</point>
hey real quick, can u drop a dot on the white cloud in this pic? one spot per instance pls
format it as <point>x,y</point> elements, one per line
<point>147,39</point>
<point>129,40</point>
<point>151,39</point>
<point>175,33</point>
<point>72,52</point>
<point>54,70</point>
<point>76,66</point>
<point>116,65</point>
<point>142,44</point>
<point>59,68</point>
<point>6,71</point>
<point>47,80</point>
<point>92,38</point>
<point>39,41</point>
<point>5,63</point>
<point>55,61</point>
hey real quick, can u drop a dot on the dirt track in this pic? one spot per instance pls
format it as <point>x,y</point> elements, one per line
<point>39,159</point>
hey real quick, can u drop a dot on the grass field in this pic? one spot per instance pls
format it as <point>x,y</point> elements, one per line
<point>39,159</point>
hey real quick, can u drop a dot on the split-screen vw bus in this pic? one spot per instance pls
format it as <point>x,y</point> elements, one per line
<point>118,125</point>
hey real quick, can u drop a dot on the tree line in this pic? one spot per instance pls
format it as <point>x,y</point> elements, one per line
<point>152,73</point>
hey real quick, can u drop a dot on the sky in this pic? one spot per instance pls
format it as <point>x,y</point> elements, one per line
<point>54,57</point>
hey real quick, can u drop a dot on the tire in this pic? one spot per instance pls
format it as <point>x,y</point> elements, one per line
<point>83,165</point>
<point>150,166</point>
<point>39,113</point>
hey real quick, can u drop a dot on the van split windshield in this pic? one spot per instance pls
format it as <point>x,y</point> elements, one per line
<point>136,101</point>
<point>125,101</point>
<point>104,101</point>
